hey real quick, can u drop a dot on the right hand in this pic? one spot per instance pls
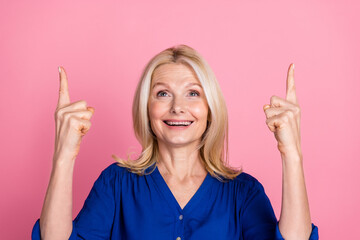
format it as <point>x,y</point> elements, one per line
<point>72,122</point>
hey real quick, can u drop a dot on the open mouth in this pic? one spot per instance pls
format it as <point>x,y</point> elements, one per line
<point>178,123</point>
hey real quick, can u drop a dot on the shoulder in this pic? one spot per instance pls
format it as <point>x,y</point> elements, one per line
<point>111,176</point>
<point>247,182</point>
<point>248,188</point>
<point>246,178</point>
<point>113,169</point>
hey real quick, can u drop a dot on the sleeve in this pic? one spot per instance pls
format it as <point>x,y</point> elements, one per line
<point>313,236</point>
<point>96,217</point>
<point>259,220</point>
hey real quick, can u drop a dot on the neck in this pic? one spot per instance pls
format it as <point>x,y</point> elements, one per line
<point>180,161</point>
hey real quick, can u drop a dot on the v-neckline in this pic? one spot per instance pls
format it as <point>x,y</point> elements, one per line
<point>169,196</point>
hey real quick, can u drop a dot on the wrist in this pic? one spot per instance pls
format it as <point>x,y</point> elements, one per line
<point>63,163</point>
<point>292,157</point>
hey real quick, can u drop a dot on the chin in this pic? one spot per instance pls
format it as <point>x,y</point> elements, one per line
<point>178,142</point>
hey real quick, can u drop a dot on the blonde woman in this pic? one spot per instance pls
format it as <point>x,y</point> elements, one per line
<point>181,186</point>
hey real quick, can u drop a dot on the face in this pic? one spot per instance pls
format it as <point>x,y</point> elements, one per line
<point>177,105</point>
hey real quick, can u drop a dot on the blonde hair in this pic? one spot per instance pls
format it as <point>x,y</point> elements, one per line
<point>214,143</point>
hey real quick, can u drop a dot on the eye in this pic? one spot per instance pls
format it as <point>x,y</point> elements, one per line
<point>194,93</point>
<point>161,94</point>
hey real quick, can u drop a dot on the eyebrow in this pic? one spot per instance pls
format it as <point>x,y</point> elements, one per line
<point>187,85</point>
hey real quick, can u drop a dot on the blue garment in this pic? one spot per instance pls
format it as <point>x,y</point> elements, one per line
<point>123,205</point>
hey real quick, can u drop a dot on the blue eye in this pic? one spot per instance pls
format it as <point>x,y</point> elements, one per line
<point>165,94</point>
<point>160,94</point>
<point>195,92</point>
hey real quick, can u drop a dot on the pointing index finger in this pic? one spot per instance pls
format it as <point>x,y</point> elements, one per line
<point>64,97</point>
<point>290,85</point>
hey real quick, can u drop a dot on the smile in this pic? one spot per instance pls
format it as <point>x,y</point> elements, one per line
<point>178,123</point>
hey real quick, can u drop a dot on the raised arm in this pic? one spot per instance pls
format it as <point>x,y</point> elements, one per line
<point>283,119</point>
<point>72,123</point>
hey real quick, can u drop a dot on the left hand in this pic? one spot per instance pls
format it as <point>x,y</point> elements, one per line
<point>283,118</point>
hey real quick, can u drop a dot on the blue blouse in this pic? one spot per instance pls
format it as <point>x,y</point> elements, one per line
<point>123,205</point>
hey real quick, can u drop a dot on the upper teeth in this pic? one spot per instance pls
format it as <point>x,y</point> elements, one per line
<point>178,123</point>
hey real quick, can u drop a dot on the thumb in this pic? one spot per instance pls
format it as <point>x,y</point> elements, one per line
<point>91,109</point>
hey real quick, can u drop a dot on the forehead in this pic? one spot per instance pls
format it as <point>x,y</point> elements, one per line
<point>174,72</point>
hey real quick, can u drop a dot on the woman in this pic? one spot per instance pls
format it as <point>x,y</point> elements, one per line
<point>180,187</point>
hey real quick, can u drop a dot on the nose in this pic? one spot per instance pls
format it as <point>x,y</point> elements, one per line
<point>178,106</point>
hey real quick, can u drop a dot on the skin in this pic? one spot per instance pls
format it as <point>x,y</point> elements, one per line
<point>179,162</point>
<point>176,94</point>
<point>283,119</point>
<point>72,123</point>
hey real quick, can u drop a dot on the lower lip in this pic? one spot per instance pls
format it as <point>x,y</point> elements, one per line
<point>178,127</point>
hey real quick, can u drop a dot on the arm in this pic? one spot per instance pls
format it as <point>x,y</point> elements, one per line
<point>295,220</point>
<point>72,123</point>
<point>283,119</point>
<point>56,214</point>
<point>96,218</point>
<point>257,216</point>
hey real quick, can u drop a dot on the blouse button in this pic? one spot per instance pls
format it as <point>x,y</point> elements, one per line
<point>181,217</point>
<point>178,238</point>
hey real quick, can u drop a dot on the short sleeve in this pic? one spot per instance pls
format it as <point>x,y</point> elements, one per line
<point>35,234</point>
<point>313,236</point>
<point>258,218</point>
<point>96,217</point>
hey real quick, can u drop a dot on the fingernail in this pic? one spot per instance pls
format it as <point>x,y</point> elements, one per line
<point>293,66</point>
<point>91,109</point>
<point>59,69</point>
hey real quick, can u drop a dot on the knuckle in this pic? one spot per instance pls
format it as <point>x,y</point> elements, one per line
<point>297,110</point>
<point>86,115</point>
<point>82,102</point>
<point>285,118</point>
<point>66,116</point>
<point>73,122</point>
<point>58,113</point>
<point>61,91</point>
<point>86,125</point>
<point>273,98</point>
<point>290,114</point>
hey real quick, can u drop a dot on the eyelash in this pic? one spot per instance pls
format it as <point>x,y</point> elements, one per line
<point>193,91</point>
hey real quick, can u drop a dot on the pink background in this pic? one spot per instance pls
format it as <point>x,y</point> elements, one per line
<point>104,46</point>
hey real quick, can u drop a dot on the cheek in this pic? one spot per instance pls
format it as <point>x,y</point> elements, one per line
<point>200,110</point>
<point>156,110</point>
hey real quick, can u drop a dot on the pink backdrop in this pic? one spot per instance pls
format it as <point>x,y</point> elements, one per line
<point>104,46</point>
